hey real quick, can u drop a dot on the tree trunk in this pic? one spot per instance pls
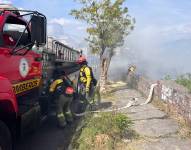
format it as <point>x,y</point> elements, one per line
<point>104,67</point>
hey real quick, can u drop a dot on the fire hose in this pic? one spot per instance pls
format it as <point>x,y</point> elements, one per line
<point>129,104</point>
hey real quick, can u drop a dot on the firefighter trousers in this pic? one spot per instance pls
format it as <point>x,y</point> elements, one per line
<point>86,97</point>
<point>63,110</point>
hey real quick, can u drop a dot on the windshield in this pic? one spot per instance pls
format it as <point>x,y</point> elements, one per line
<point>12,31</point>
<point>14,27</point>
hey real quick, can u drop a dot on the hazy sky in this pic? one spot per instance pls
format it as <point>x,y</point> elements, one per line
<point>162,37</point>
<point>160,42</point>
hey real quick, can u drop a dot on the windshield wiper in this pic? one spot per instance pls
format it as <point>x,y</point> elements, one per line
<point>15,50</point>
<point>23,47</point>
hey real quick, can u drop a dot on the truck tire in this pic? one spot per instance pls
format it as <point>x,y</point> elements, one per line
<point>5,137</point>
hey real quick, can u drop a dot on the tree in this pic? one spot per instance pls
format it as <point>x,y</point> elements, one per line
<point>108,25</point>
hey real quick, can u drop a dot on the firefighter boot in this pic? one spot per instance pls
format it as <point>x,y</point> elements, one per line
<point>67,110</point>
<point>61,120</point>
<point>69,117</point>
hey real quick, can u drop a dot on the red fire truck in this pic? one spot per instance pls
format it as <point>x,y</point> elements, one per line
<point>27,64</point>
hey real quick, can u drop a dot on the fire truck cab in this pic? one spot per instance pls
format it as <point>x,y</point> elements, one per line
<point>25,71</point>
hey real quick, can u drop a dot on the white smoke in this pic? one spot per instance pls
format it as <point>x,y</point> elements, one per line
<point>157,51</point>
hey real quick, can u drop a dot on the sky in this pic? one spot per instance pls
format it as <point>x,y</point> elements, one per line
<point>162,36</point>
<point>159,45</point>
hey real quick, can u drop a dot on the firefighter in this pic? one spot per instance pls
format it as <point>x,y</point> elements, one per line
<point>132,68</point>
<point>86,80</point>
<point>63,94</point>
<point>131,78</point>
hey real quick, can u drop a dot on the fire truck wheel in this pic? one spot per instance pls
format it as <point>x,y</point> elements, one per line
<point>5,137</point>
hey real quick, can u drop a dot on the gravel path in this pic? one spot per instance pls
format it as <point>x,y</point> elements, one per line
<point>158,131</point>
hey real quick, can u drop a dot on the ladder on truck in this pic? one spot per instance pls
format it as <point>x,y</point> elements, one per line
<point>57,54</point>
<point>62,52</point>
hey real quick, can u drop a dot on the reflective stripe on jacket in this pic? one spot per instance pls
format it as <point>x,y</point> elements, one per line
<point>54,85</point>
<point>85,76</point>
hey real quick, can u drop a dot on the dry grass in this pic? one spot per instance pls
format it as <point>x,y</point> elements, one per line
<point>115,86</point>
<point>101,141</point>
<point>111,88</point>
<point>185,128</point>
<point>102,132</point>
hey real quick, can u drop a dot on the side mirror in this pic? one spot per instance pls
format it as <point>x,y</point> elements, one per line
<point>38,30</point>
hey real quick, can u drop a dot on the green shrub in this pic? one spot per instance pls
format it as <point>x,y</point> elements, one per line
<point>109,127</point>
<point>185,80</point>
<point>167,77</point>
